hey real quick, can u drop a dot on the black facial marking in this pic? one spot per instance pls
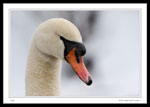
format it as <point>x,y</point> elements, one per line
<point>77,57</point>
<point>69,45</point>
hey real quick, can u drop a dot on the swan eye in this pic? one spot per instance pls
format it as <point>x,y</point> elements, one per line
<point>69,45</point>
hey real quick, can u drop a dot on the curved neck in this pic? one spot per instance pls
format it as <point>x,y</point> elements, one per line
<point>42,74</point>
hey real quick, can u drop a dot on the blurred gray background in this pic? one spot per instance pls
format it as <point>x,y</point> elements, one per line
<point>112,39</point>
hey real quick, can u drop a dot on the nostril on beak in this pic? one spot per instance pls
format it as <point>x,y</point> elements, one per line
<point>89,81</point>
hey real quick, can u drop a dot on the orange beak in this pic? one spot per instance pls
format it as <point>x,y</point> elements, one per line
<point>79,68</point>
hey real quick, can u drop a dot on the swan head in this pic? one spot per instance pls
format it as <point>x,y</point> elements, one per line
<point>60,38</point>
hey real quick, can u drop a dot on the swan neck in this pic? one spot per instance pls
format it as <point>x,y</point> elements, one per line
<point>42,74</point>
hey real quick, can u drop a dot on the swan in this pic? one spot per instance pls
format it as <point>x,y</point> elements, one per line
<point>53,41</point>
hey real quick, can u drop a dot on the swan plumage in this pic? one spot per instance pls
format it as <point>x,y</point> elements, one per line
<point>46,54</point>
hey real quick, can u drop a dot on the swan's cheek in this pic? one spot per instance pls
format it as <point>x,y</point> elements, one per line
<point>59,51</point>
<point>50,45</point>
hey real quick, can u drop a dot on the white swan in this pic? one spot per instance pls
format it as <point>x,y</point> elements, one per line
<point>54,40</point>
